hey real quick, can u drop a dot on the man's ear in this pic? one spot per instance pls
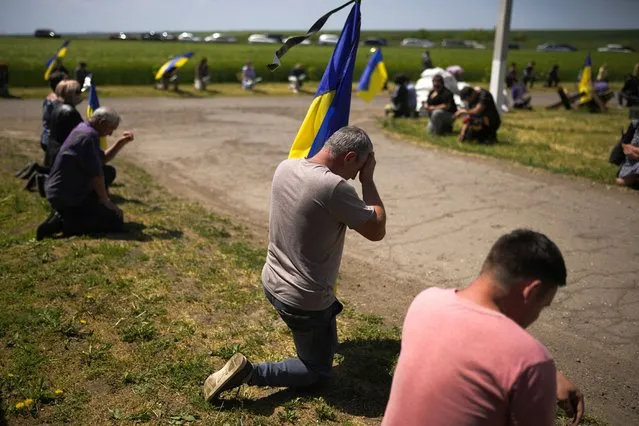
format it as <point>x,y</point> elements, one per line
<point>531,290</point>
<point>350,156</point>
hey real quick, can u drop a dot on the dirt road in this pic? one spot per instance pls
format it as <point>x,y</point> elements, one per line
<point>445,211</point>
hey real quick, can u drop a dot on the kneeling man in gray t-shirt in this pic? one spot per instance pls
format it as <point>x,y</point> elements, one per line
<point>311,205</point>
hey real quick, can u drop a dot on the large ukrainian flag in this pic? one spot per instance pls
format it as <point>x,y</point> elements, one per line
<point>585,84</point>
<point>51,62</point>
<point>373,78</point>
<point>331,107</point>
<point>176,62</point>
<point>94,103</point>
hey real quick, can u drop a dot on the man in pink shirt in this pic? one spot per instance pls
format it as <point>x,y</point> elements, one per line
<point>466,359</point>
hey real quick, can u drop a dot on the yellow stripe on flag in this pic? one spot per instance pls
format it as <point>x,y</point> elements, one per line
<point>311,124</point>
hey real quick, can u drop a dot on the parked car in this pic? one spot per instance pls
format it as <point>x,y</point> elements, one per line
<point>220,38</point>
<point>455,44</point>
<point>472,44</point>
<point>277,37</point>
<point>261,39</point>
<point>327,39</point>
<point>45,33</point>
<point>555,47</point>
<point>154,36</point>
<point>188,37</point>
<point>121,36</point>
<point>375,42</point>
<point>514,46</point>
<point>617,48</point>
<point>415,42</point>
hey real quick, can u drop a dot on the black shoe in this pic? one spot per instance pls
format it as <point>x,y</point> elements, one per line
<point>234,373</point>
<point>51,226</point>
<point>26,171</point>
<point>31,183</point>
<point>40,179</point>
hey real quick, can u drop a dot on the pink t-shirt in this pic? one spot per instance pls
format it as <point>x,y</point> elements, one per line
<point>465,365</point>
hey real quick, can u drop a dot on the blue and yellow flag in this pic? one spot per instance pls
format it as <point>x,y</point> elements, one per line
<point>331,107</point>
<point>373,78</point>
<point>94,103</point>
<point>585,84</point>
<point>175,62</point>
<point>52,61</point>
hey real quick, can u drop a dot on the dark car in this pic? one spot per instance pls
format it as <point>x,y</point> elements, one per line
<point>555,47</point>
<point>277,37</point>
<point>456,44</point>
<point>514,46</point>
<point>375,42</point>
<point>151,36</point>
<point>121,36</point>
<point>44,33</point>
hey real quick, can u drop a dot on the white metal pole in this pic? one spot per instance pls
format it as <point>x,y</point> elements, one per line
<point>500,51</point>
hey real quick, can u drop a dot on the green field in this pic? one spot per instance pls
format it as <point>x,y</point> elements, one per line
<point>134,62</point>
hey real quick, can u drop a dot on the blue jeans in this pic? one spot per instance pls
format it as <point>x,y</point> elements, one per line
<point>315,338</point>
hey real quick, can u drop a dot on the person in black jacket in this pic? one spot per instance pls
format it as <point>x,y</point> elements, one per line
<point>64,117</point>
<point>441,108</point>
<point>400,98</point>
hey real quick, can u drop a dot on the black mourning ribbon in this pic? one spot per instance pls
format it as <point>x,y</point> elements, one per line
<point>294,41</point>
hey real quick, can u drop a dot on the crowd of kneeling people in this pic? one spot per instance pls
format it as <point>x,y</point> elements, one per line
<point>481,119</point>
<point>75,176</point>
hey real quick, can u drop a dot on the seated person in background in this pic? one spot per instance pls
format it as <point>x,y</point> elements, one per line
<point>169,76</point>
<point>30,171</point>
<point>248,77</point>
<point>202,75</point>
<point>427,62</point>
<point>553,77</point>
<point>602,75</point>
<point>629,171</point>
<point>81,72</point>
<point>77,185</point>
<point>440,107</point>
<point>630,89</point>
<point>511,76</point>
<point>64,117</point>
<point>400,98</point>
<point>412,98</point>
<point>529,74</point>
<point>297,77</point>
<point>521,97</point>
<point>483,119</point>
<point>59,67</point>
<point>466,358</point>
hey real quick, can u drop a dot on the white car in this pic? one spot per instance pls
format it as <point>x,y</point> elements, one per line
<point>327,40</point>
<point>474,45</point>
<point>220,38</point>
<point>261,39</point>
<point>617,48</point>
<point>415,42</point>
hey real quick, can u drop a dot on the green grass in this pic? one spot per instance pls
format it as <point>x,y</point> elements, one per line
<point>134,62</point>
<point>568,142</point>
<point>124,329</point>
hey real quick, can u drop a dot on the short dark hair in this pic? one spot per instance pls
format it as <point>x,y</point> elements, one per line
<point>438,77</point>
<point>466,92</point>
<point>83,64</point>
<point>400,78</point>
<point>526,255</point>
<point>55,78</point>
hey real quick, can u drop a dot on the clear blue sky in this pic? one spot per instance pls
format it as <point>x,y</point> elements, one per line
<point>65,16</point>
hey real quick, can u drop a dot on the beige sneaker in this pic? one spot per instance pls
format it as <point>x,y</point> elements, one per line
<point>234,373</point>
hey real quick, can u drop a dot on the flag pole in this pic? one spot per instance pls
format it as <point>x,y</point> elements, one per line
<point>500,52</point>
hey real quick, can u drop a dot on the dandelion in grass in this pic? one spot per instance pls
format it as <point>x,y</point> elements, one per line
<point>28,402</point>
<point>83,322</point>
<point>58,391</point>
<point>19,405</point>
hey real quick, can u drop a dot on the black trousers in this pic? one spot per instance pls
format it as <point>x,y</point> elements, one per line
<point>91,216</point>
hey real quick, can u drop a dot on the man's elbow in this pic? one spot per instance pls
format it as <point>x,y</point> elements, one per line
<point>378,234</point>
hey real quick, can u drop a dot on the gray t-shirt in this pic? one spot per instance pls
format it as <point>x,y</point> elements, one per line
<point>310,209</point>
